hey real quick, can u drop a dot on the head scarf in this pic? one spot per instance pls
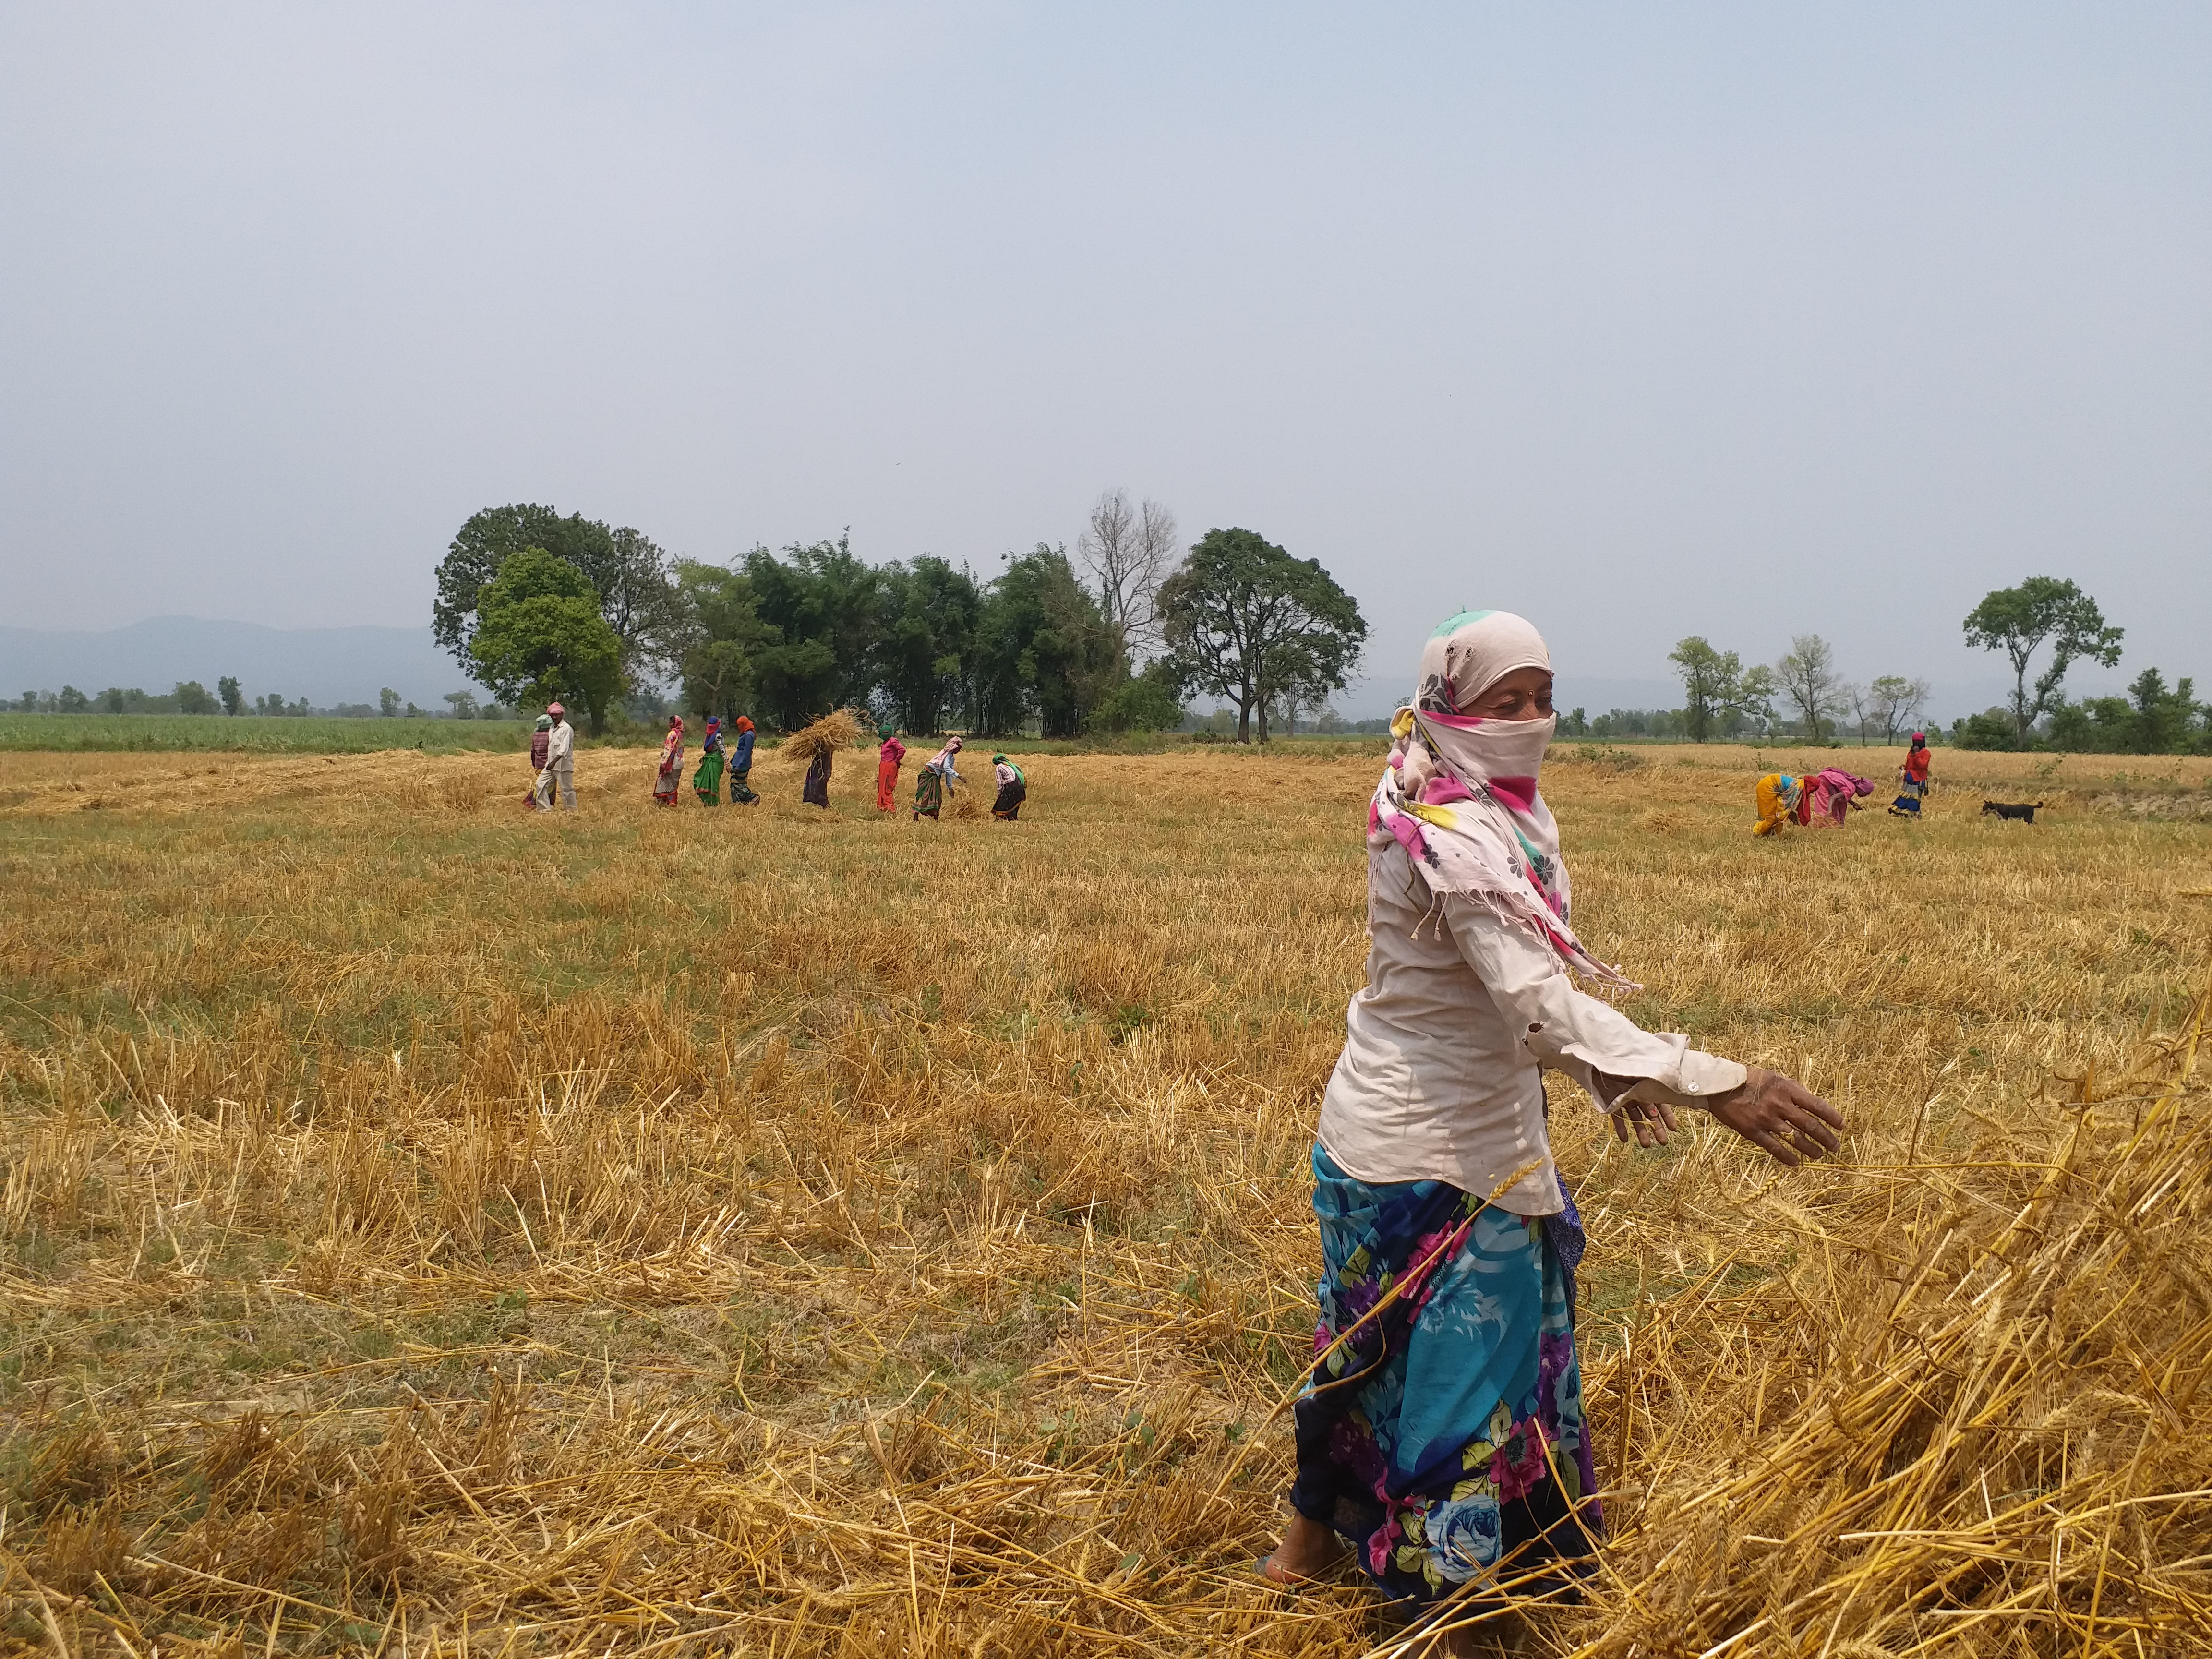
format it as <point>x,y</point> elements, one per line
<point>1919,740</point>
<point>744,723</point>
<point>887,731</point>
<point>1460,792</point>
<point>999,759</point>
<point>556,711</point>
<point>544,722</point>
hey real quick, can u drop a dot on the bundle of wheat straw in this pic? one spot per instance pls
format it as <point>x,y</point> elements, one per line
<point>840,729</point>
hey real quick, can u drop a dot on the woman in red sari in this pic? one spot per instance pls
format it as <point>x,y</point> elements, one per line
<point>887,762</point>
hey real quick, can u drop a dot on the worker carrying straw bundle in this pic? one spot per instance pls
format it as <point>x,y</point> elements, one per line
<point>817,745</point>
<point>1442,1432</point>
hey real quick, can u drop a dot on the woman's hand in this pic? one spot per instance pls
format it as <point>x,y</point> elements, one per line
<point>1652,1122</point>
<point>1781,1115</point>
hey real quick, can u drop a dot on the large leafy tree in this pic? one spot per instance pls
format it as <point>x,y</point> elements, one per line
<point>628,572</point>
<point>1245,621</point>
<point>928,614</point>
<point>826,607</point>
<point>1043,649</point>
<point>1715,685</point>
<point>2019,621</point>
<point>720,639</point>
<point>539,636</point>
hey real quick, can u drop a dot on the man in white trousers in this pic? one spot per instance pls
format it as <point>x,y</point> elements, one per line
<point>560,757</point>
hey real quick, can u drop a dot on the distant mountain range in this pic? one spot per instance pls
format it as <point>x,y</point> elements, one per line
<point>325,665</point>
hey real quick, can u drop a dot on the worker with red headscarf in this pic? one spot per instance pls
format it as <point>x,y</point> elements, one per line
<point>741,766</point>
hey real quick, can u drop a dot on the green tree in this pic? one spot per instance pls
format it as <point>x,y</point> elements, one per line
<point>539,636</point>
<point>629,575</point>
<point>1715,685</point>
<point>1149,700</point>
<point>1242,618</point>
<point>234,699</point>
<point>826,607</point>
<point>2019,621</point>
<point>928,614</point>
<point>387,703</point>
<point>463,703</point>
<point>72,701</point>
<point>722,637</point>
<point>1043,649</point>
<point>192,698</point>
<point>2163,719</point>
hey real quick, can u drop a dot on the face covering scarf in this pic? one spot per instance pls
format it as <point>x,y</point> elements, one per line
<point>1459,795</point>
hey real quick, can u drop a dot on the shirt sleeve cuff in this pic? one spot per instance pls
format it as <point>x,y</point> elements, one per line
<point>1697,1079</point>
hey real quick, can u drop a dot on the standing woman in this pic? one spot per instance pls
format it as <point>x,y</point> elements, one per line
<point>706,782</point>
<point>670,777</point>
<point>741,765</point>
<point>541,776</point>
<point>935,782</point>
<point>1013,788</point>
<point>1441,1432</point>
<point>889,759</point>
<point>1912,778</point>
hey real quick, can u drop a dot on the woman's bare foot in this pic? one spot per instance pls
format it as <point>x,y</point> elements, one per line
<point>1308,1551</point>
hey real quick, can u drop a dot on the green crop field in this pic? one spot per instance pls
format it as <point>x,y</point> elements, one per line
<point>268,734</point>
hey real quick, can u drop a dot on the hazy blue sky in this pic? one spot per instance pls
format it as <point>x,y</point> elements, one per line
<point>1644,321</point>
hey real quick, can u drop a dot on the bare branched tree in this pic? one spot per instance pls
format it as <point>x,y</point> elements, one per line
<point>1808,679</point>
<point>1128,552</point>
<point>1894,702</point>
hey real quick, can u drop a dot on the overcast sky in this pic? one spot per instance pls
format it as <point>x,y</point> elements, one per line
<point>1644,321</point>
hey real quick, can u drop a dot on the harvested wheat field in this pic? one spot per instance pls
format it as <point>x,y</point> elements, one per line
<point>433,1228</point>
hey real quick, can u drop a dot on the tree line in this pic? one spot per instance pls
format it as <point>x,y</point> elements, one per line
<point>539,605</point>
<point>2044,627</point>
<point>191,697</point>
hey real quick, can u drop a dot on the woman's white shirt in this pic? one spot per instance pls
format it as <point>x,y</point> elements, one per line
<point>1442,1074</point>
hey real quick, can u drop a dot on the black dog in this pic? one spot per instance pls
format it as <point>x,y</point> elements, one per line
<point>2025,813</point>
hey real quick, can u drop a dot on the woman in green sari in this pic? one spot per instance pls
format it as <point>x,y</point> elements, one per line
<point>706,782</point>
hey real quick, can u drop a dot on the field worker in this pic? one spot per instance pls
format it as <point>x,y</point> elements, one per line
<point>669,780</point>
<point>889,759</point>
<point>741,766</point>
<point>814,792</point>
<point>1834,794</point>
<point>935,782</point>
<point>561,756</point>
<point>1781,800</point>
<point>1912,778</point>
<point>1441,1432</point>
<point>541,780</point>
<point>706,782</point>
<point>1013,788</point>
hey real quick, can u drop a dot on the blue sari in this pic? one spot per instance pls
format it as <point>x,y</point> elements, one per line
<point>1445,1438</point>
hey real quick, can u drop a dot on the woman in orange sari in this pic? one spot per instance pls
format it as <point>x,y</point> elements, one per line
<point>888,760</point>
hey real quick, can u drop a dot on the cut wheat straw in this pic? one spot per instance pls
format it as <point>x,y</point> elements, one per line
<point>640,1233</point>
<point>835,732</point>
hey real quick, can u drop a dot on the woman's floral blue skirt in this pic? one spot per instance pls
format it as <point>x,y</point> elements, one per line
<point>1445,1439</point>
